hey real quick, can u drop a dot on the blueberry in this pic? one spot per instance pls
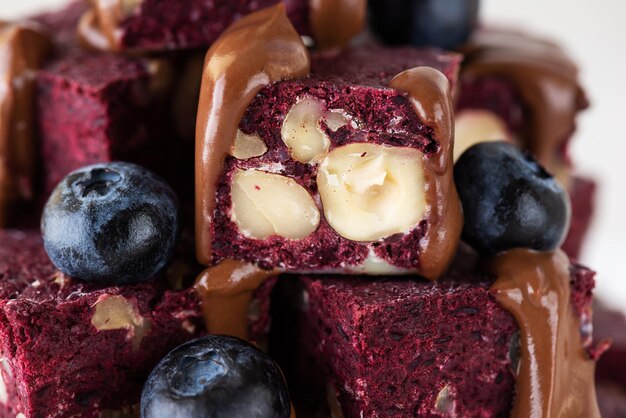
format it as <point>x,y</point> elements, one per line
<point>216,377</point>
<point>437,23</point>
<point>114,223</point>
<point>509,200</point>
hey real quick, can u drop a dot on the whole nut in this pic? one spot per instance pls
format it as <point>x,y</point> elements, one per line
<point>475,126</point>
<point>302,133</point>
<point>266,204</point>
<point>114,312</point>
<point>248,146</point>
<point>370,192</point>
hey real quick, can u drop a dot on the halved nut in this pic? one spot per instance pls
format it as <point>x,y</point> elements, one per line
<point>475,126</point>
<point>113,312</point>
<point>248,146</point>
<point>370,192</point>
<point>302,133</point>
<point>266,204</point>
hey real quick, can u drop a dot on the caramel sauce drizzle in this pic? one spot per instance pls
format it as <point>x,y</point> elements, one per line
<point>255,52</point>
<point>556,376</point>
<point>544,76</point>
<point>23,47</point>
<point>428,91</point>
<point>335,22</point>
<point>226,292</point>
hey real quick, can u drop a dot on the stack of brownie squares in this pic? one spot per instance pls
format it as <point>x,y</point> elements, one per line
<point>327,220</point>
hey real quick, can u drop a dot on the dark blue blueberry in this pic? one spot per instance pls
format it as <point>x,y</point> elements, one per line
<point>114,223</point>
<point>437,23</point>
<point>216,377</point>
<point>509,200</point>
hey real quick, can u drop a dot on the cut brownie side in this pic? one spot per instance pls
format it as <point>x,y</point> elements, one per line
<point>72,349</point>
<point>611,324</point>
<point>176,24</point>
<point>346,104</point>
<point>402,348</point>
<point>99,108</point>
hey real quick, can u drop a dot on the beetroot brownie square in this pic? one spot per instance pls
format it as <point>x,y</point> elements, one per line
<point>611,324</point>
<point>407,347</point>
<point>73,349</point>
<point>172,24</point>
<point>105,107</point>
<point>346,104</point>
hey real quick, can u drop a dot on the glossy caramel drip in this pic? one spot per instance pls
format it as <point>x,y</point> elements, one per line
<point>226,292</point>
<point>258,50</point>
<point>543,75</point>
<point>23,47</point>
<point>335,22</point>
<point>556,376</point>
<point>428,90</point>
<point>98,28</point>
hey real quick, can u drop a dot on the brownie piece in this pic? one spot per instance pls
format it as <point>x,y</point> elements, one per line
<point>104,107</point>
<point>345,104</point>
<point>173,24</point>
<point>73,349</point>
<point>403,347</point>
<point>612,401</point>
<point>611,324</point>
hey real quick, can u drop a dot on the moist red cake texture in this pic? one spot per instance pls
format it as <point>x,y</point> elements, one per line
<point>71,348</point>
<point>403,347</point>
<point>105,107</point>
<point>181,24</point>
<point>356,81</point>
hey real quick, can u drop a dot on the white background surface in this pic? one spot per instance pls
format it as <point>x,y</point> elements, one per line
<point>594,33</point>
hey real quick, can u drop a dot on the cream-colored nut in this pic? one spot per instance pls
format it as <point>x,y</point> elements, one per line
<point>129,6</point>
<point>445,402</point>
<point>116,312</point>
<point>248,146</point>
<point>266,204</point>
<point>475,126</point>
<point>370,192</point>
<point>375,266</point>
<point>302,133</point>
<point>335,119</point>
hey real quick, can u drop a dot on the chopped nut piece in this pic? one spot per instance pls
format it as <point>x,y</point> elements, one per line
<point>445,402</point>
<point>302,133</point>
<point>266,204</point>
<point>248,146</point>
<point>475,126</point>
<point>370,192</point>
<point>117,312</point>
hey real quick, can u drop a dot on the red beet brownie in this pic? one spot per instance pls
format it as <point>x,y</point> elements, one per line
<point>402,347</point>
<point>73,349</point>
<point>318,162</point>
<point>611,324</point>
<point>104,107</point>
<point>612,401</point>
<point>184,24</point>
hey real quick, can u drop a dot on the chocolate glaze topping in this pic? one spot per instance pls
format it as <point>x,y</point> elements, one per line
<point>226,292</point>
<point>98,28</point>
<point>428,90</point>
<point>335,22</point>
<point>556,375</point>
<point>258,50</point>
<point>544,76</point>
<point>23,47</point>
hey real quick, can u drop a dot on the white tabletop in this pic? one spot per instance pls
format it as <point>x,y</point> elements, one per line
<point>595,34</point>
